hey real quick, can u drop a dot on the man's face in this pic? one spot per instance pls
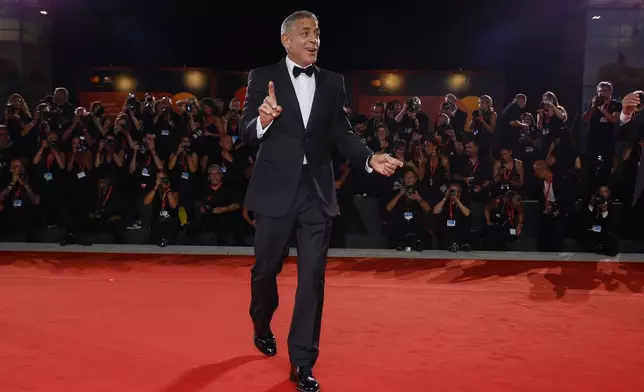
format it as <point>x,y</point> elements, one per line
<point>450,99</point>
<point>506,155</point>
<point>60,97</point>
<point>522,102</point>
<point>410,178</point>
<point>165,184</point>
<point>471,149</point>
<point>215,176</point>
<point>605,92</point>
<point>16,167</point>
<point>604,191</point>
<point>360,127</point>
<point>166,102</point>
<point>149,140</point>
<point>399,152</point>
<point>302,41</point>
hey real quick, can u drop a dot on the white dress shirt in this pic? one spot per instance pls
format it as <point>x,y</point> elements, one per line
<point>305,91</point>
<point>623,118</point>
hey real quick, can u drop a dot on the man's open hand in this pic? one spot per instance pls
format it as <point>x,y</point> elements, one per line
<point>384,164</point>
<point>269,110</point>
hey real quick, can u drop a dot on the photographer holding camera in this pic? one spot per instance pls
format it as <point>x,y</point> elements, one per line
<point>508,171</point>
<point>557,199</point>
<point>474,172</point>
<point>163,204</point>
<point>407,211</point>
<point>412,119</point>
<point>510,124</point>
<point>483,124</point>
<point>78,129</point>
<point>49,166</point>
<point>183,166</point>
<point>504,220</point>
<point>603,115</point>
<point>457,117</point>
<point>595,223</point>
<point>18,203</point>
<point>453,221</point>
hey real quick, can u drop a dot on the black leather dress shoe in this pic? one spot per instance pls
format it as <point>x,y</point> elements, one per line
<point>304,380</point>
<point>265,343</point>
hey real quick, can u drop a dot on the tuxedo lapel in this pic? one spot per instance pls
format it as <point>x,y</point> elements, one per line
<point>285,92</point>
<point>318,99</point>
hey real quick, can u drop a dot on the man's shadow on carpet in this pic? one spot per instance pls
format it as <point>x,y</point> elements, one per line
<point>200,377</point>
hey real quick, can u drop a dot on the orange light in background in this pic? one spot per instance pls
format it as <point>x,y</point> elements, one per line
<point>392,81</point>
<point>457,82</point>
<point>125,83</point>
<point>195,80</point>
<point>376,83</point>
<point>94,79</point>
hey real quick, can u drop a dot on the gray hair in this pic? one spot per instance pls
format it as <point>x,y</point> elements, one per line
<point>287,24</point>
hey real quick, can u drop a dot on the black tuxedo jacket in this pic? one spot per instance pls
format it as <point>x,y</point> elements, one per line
<point>279,164</point>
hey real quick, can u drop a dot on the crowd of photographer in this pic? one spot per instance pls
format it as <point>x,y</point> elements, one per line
<point>177,172</point>
<point>465,183</point>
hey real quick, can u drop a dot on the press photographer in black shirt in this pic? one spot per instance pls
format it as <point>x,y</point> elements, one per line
<point>603,115</point>
<point>504,220</point>
<point>163,204</point>
<point>453,221</point>
<point>457,117</point>
<point>510,123</point>
<point>411,118</point>
<point>407,215</point>
<point>596,224</point>
<point>483,125</point>
<point>18,202</point>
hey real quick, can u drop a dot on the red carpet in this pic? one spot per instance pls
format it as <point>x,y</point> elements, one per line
<point>121,323</point>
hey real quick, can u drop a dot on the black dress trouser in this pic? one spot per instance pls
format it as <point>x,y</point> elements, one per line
<point>313,230</point>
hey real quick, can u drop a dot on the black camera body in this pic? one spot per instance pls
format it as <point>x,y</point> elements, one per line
<point>189,107</point>
<point>598,199</point>
<point>131,101</point>
<point>452,192</point>
<point>445,106</point>
<point>541,106</point>
<point>412,105</point>
<point>476,114</point>
<point>109,142</point>
<point>165,181</point>
<point>600,101</point>
<point>410,190</point>
<point>165,111</point>
<point>99,110</point>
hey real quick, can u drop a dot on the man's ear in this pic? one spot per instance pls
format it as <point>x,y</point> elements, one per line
<point>286,42</point>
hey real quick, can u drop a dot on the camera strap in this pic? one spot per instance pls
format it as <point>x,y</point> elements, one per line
<point>474,167</point>
<point>547,193</point>
<point>511,212</point>
<point>451,211</point>
<point>163,201</point>
<point>107,197</point>
<point>16,196</point>
<point>508,171</point>
<point>50,160</point>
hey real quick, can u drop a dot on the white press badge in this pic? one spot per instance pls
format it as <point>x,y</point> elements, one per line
<point>409,216</point>
<point>48,177</point>
<point>145,172</point>
<point>451,223</point>
<point>185,175</point>
<point>597,229</point>
<point>513,231</point>
<point>81,175</point>
<point>165,132</point>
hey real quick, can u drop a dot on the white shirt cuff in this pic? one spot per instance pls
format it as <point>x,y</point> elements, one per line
<point>623,118</point>
<point>260,131</point>
<point>366,165</point>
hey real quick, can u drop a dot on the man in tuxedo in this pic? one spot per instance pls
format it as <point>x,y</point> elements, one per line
<point>294,110</point>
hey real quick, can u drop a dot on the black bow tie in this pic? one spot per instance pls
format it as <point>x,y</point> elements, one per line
<point>308,71</point>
